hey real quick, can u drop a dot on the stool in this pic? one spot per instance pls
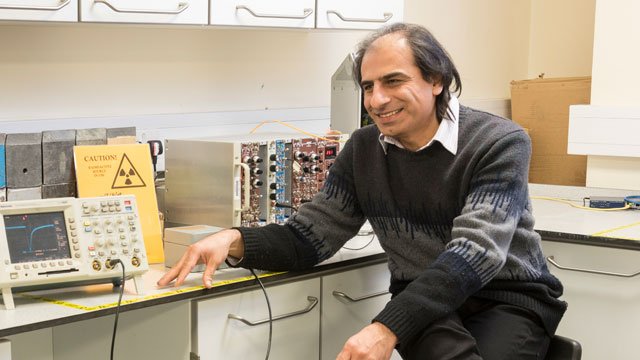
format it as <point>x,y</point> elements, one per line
<point>563,348</point>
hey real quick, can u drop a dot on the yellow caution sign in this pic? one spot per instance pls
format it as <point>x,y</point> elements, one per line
<point>107,170</point>
<point>127,176</point>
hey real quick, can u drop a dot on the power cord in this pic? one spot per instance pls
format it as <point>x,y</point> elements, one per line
<point>113,263</point>
<point>287,206</point>
<point>270,314</point>
<point>365,245</point>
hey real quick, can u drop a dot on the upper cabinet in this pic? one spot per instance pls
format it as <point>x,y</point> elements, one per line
<point>305,14</point>
<point>145,11</point>
<point>39,10</point>
<point>276,13</point>
<point>358,14</point>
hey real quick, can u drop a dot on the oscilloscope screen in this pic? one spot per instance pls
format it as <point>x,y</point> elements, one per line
<point>37,237</point>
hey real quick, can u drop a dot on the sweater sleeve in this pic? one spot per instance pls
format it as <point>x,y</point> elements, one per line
<point>316,232</point>
<point>481,236</point>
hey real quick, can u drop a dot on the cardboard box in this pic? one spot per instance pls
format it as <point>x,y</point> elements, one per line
<point>541,106</point>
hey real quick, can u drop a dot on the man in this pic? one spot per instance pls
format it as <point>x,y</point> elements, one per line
<point>445,190</point>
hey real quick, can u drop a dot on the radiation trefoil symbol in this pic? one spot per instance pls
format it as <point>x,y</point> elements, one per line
<point>127,176</point>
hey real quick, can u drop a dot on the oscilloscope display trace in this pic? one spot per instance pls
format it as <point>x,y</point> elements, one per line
<point>36,237</point>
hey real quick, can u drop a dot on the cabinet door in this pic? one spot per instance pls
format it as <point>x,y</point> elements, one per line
<point>278,13</point>
<point>218,334</point>
<point>40,10</point>
<point>349,301</point>
<point>145,11</point>
<point>358,14</point>
<point>603,296</point>
<point>156,332</point>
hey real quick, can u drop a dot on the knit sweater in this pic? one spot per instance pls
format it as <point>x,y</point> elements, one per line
<point>453,226</point>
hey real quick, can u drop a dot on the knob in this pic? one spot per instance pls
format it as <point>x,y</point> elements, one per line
<point>256,159</point>
<point>305,169</point>
<point>273,157</point>
<point>273,186</point>
<point>314,157</point>
<point>273,168</point>
<point>256,171</point>
<point>257,183</point>
<point>299,154</point>
<point>272,196</point>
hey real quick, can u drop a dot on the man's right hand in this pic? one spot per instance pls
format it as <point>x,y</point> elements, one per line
<point>211,251</point>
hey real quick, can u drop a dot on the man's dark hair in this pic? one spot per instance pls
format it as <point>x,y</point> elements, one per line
<point>432,59</point>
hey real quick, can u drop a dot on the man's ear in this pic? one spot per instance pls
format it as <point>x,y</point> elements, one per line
<point>437,86</point>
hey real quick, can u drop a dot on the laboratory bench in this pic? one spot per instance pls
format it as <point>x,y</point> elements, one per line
<point>594,253</point>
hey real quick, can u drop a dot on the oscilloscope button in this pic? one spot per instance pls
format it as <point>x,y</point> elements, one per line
<point>76,247</point>
<point>72,227</point>
<point>34,266</point>
<point>52,263</point>
<point>61,263</point>
<point>17,267</point>
<point>25,266</point>
<point>44,265</point>
<point>112,208</point>
<point>117,202</point>
<point>71,220</point>
<point>13,275</point>
<point>7,262</point>
<point>77,255</point>
<point>110,202</point>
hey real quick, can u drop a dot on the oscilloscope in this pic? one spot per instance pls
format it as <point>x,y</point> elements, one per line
<point>68,240</point>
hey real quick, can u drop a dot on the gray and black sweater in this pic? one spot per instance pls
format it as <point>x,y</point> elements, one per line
<point>453,226</point>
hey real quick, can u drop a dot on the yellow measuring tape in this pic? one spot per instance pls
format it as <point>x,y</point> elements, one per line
<point>144,298</point>
<point>605,232</point>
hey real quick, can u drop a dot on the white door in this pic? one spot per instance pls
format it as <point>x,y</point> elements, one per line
<point>237,327</point>
<point>349,301</point>
<point>358,14</point>
<point>40,10</point>
<point>145,11</point>
<point>602,287</point>
<point>276,13</point>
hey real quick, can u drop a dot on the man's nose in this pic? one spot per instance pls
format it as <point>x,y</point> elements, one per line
<point>379,97</point>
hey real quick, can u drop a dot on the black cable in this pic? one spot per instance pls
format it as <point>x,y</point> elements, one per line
<point>364,246</point>
<point>287,206</point>
<point>270,314</point>
<point>115,323</point>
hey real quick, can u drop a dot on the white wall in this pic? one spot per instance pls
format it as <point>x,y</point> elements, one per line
<point>615,83</point>
<point>86,70</point>
<point>561,42</point>
<point>487,39</point>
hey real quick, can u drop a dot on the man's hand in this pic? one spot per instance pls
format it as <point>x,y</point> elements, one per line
<point>374,342</point>
<point>212,251</point>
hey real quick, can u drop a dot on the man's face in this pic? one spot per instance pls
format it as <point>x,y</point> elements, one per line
<point>398,99</point>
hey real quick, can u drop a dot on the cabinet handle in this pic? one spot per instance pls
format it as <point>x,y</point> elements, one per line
<point>341,295</point>
<point>313,301</point>
<point>552,261</point>
<point>386,18</point>
<point>181,7</point>
<point>62,4</point>
<point>306,13</point>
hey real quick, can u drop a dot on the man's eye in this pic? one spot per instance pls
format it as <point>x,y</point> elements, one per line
<point>367,88</point>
